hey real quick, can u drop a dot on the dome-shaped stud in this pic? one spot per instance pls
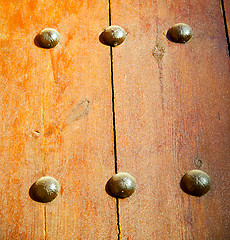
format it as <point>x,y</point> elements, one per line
<point>121,185</point>
<point>180,33</point>
<point>48,38</point>
<point>46,189</point>
<point>113,36</point>
<point>196,183</point>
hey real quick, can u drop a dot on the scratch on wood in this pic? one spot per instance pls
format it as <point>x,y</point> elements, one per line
<point>81,110</point>
<point>160,69</point>
<point>159,52</point>
<point>219,116</point>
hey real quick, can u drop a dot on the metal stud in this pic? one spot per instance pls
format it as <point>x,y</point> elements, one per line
<point>49,38</point>
<point>46,189</point>
<point>113,36</point>
<point>196,183</point>
<point>180,33</point>
<point>121,185</point>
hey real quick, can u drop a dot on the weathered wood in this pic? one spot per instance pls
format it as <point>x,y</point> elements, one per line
<point>78,125</point>
<point>21,147</point>
<point>170,113</point>
<point>171,108</point>
<point>64,95</point>
<point>226,5</point>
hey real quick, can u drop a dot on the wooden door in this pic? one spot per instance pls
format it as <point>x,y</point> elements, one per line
<point>82,111</point>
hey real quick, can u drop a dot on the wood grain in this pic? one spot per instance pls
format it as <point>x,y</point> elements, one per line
<point>78,126</point>
<point>171,109</point>
<point>56,120</point>
<point>169,113</point>
<point>227,15</point>
<point>21,147</point>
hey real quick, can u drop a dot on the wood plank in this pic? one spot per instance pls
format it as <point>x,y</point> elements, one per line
<point>21,147</point>
<point>78,130</point>
<point>57,121</point>
<point>170,112</point>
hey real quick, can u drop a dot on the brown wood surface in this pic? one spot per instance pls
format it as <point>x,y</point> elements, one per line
<point>21,84</point>
<point>226,5</point>
<point>78,127</point>
<point>56,120</point>
<point>169,112</point>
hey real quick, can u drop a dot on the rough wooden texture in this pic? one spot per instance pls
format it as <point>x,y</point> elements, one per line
<point>56,119</point>
<point>227,14</point>
<point>78,127</point>
<point>21,115</point>
<point>172,108</point>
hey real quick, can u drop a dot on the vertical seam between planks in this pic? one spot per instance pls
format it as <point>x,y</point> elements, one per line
<point>115,142</point>
<point>225,25</point>
<point>113,97</point>
<point>118,219</point>
<point>114,125</point>
<point>110,15</point>
<point>113,112</point>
